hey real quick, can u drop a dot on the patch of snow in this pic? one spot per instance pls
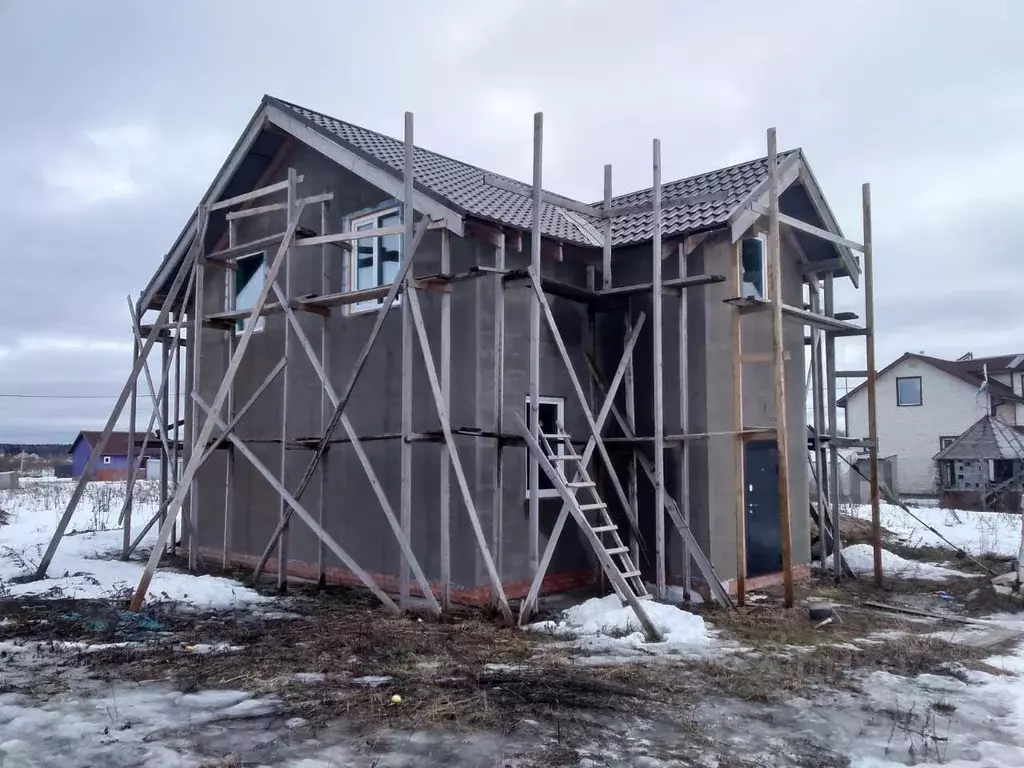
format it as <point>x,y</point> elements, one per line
<point>87,564</point>
<point>373,681</point>
<point>978,533</point>
<point>309,677</point>
<point>860,558</point>
<point>604,623</point>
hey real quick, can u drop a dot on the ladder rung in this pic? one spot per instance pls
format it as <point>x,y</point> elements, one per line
<point>605,528</point>
<point>617,550</point>
<point>582,484</point>
<point>563,457</point>
<point>630,574</point>
<point>588,507</point>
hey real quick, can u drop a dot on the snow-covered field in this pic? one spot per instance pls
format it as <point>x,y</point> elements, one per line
<point>86,564</point>
<point>978,533</point>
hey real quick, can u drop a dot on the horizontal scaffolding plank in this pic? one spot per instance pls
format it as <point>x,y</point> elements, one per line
<point>271,207</point>
<point>345,237</point>
<point>677,283</point>
<point>243,248</point>
<point>748,304</point>
<point>852,374</point>
<point>281,186</point>
<point>810,229</point>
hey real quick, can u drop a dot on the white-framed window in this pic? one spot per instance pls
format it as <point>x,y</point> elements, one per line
<point>551,413</point>
<point>246,282</point>
<point>375,260</point>
<point>945,441</point>
<point>106,459</point>
<point>753,265</point>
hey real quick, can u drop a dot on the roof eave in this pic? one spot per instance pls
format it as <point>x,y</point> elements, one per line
<point>792,169</point>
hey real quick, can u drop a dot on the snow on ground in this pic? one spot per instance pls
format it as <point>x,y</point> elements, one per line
<point>86,564</point>
<point>604,624</point>
<point>860,558</point>
<point>979,533</point>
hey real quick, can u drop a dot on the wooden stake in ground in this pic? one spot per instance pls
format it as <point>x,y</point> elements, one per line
<point>869,321</point>
<point>779,367</point>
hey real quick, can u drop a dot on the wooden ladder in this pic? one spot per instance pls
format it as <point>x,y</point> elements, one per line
<point>596,523</point>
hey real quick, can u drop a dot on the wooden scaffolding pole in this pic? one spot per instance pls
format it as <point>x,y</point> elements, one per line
<point>180,435</point>
<point>534,391</point>
<point>325,404</point>
<point>526,606</point>
<point>823,476</point>
<point>779,367</point>
<point>229,458</point>
<point>115,414</point>
<point>129,481</point>
<point>165,416</point>
<point>341,402</point>
<point>405,459</point>
<point>833,429</point>
<point>445,469</point>
<point>657,329</point>
<point>196,348</point>
<point>682,448</point>
<point>869,322</point>
<point>497,524</point>
<point>738,446</point>
<point>456,463</point>
<point>218,402</point>
<point>286,267</point>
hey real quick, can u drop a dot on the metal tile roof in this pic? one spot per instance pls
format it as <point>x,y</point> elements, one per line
<point>987,438</point>
<point>464,188</point>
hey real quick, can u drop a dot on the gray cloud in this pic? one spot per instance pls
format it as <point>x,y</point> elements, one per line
<point>119,113</point>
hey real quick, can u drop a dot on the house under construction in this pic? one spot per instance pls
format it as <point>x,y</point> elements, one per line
<point>399,370</point>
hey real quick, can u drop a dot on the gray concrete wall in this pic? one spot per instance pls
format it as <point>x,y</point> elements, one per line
<point>352,513</point>
<point>709,389</point>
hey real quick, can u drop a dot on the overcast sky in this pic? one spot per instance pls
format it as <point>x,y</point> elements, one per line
<point>114,116</point>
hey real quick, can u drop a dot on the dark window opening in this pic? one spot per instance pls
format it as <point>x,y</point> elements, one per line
<point>753,251</point>
<point>908,390</point>
<point>550,412</point>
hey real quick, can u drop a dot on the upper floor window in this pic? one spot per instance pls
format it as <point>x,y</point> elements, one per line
<point>908,390</point>
<point>753,253</point>
<point>375,260</point>
<point>248,283</point>
<point>945,441</point>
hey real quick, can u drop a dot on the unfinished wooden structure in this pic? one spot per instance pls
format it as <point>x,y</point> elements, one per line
<point>634,364</point>
<point>983,468</point>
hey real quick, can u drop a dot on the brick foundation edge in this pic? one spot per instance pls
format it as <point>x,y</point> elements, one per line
<point>477,595</point>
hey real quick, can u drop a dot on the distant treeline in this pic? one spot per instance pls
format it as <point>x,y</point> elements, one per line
<point>42,450</point>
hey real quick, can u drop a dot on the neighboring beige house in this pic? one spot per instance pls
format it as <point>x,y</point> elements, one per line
<point>925,403</point>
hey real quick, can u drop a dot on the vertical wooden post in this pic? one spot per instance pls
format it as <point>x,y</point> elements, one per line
<point>165,415</point>
<point>869,321</point>
<point>325,403</point>
<point>180,435</point>
<point>445,467</point>
<point>282,549</point>
<point>738,457</point>
<point>657,328</point>
<point>833,429</point>
<point>229,456</point>
<point>683,447</point>
<point>198,309</point>
<point>779,366</point>
<point>535,238</point>
<point>405,501</point>
<point>629,385</point>
<point>497,524</point>
<point>129,479</point>
<point>606,233</point>
<point>818,414</point>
